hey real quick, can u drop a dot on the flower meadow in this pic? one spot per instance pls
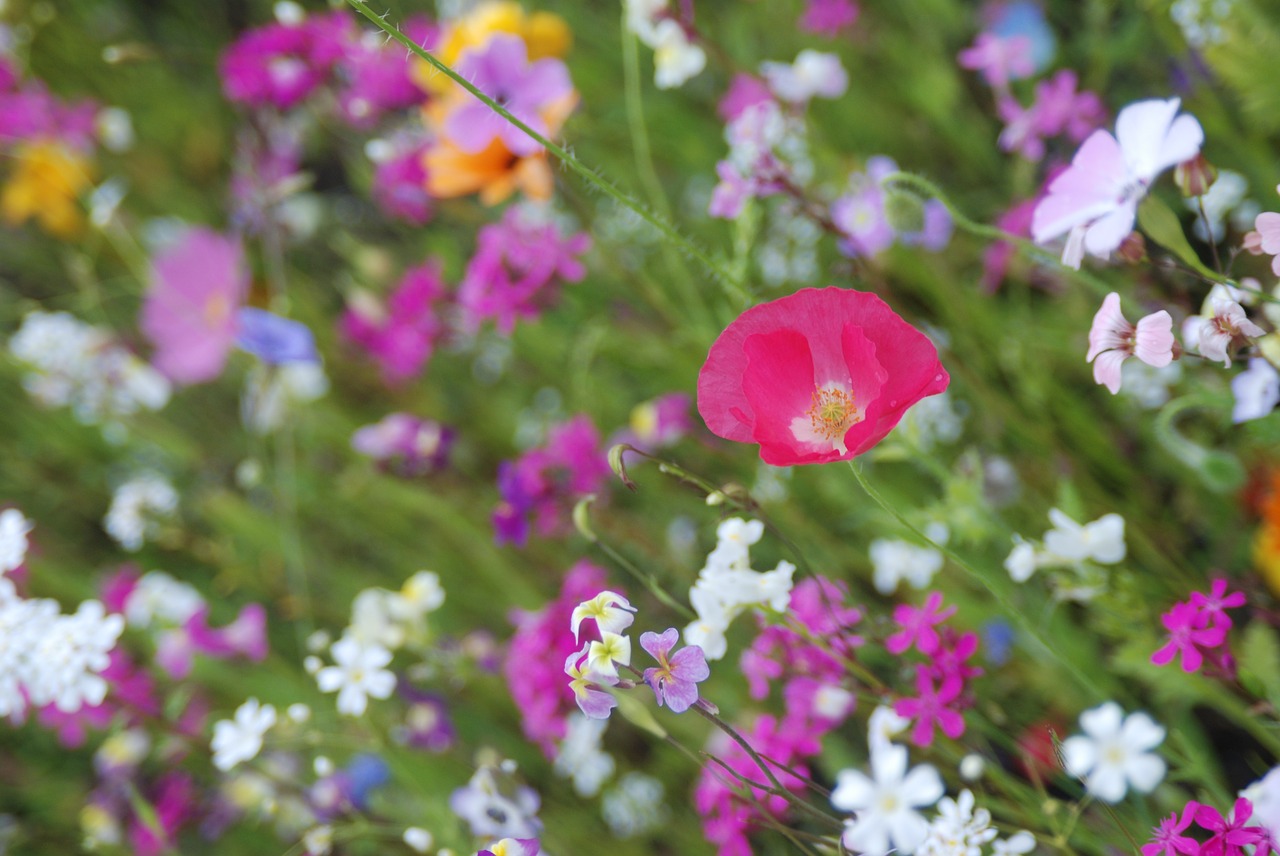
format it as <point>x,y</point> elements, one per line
<point>504,428</point>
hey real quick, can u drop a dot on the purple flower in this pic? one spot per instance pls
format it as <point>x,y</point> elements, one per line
<point>189,313</point>
<point>1189,631</point>
<point>586,684</point>
<point>400,186</point>
<point>401,336</point>
<point>426,721</point>
<point>280,64</point>
<point>376,74</point>
<point>675,679</point>
<point>502,71</point>
<point>860,216</point>
<point>1166,839</point>
<point>828,17</point>
<point>416,445</point>
<point>273,339</point>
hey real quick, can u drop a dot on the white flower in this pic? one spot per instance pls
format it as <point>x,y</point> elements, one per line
<point>1101,541</point>
<point>1265,796</point>
<point>612,648</point>
<point>1022,562</point>
<point>68,655</point>
<point>137,508</point>
<point>318,840</point>
<point>271,394</point>
<point>581,757</point>
<point>22,623</point>
<point>1015,845</point>
<point>238,740</point>
<point>675,58</point>
<point>418,839</point>
<point>883,726</point>
<point>813,74</point>
<point>611,612</point>
<point>423,592</point>
<point>1226,323</point>
<point>895,561</point>
<point>635,806</point>
<point>709,636</point>
<point>374,621</point>
<point>1256,389</point>
<point>359,673</point>
<point>13,539</point>
<point>885,803</point>
<point>158,596</point>
<point>642,18</point>
<point>1114,753</point>
<point>958,830</point>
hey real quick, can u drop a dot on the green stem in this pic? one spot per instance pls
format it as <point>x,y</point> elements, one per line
<point>660,223</point>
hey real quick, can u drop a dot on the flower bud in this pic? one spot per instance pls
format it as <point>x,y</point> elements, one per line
<point>1133,248</point>
<point>1196,176</point>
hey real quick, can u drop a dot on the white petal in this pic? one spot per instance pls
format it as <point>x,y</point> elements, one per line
<point>1144,772</point>
<point>1102,721</point>
<point>908,831</point>
<point>1140,732</point>
<point>853,792</point>
<point>922,787</point>
<point>1141,129</point>
<point>1079,755</point>
<point>1107,783</point>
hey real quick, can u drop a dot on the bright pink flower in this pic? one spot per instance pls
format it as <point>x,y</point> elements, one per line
<point>1188,632</point>
<point>828,17</point>
<point>1112,340</point>
<point>401,336</point>
<point>190,309</point>
<point>400,186</point>
<point>375,73</point>
<point>917,625</point>
<point>1229,836</point>
<point>932,708</point>
<point>280,64</point>
<point>820,375</point>
<point>1057,110</point>
<point>1166,840</point>
<point>1217,602</point>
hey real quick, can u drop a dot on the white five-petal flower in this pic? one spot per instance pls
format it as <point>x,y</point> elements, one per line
<point>359,673</point>
<point>886,803</point>
<point>238,740</point>
<point>1114,753</point>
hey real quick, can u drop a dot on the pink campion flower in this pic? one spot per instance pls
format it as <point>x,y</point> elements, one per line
<point>999,59</point>
<point>501,69</point>
<point>675,679</point>
<point>1229,835</point>
<point>932,708</point>
<point>1167,840</point>
<point>745,90</point>
<point>1057,110</point>
<point>402,336</point>
<point>517,268</point>
<point>400,186</point>
<point>1189,631</point>
<point>189,313</point>
<point>1112,340</point>
<point>820,375</point>
<point>280,64</point>
<point>1096,199</point>
<point>951,659</point>
<point>917,625</point>
<point>375,73</point>
<point>828,17</point>
<point>1227,326</point>
<point>1217,602</point>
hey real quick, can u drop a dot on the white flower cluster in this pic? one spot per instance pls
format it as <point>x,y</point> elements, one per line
<point>960,830</point>
<point>676,58</point>
<point>158,598</point>
<point>382,621</point>
<point>1074,546</point>
<point>137,508</point>
<point>581,756</point>
<point>74,364</point>
<point>727,586</point>
<point>50,658</point>
<point>895,561</point>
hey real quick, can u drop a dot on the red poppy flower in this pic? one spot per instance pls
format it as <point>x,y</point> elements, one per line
<point>821,375</point>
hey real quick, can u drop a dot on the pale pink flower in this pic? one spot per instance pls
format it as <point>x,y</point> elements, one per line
<point>1112,340</point>
<point>1228,324</point>
<point>1268,237</point>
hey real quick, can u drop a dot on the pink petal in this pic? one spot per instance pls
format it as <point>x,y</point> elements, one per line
<point>1110,328</point>
<point>1106,369</point>
<point>1153,343</point>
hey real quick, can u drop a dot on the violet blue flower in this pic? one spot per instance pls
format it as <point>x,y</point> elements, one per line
<point>674,681</point>
<point>502,71</point>
<point>273,339</point>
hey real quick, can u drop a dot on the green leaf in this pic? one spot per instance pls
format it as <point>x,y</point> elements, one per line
<point>1162,226</point>
<point>1260,662</point>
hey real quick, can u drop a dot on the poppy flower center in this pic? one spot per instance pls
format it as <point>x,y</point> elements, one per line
<point>831,413</point>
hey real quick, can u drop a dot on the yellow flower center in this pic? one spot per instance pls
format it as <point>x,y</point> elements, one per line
<point>832,413</point>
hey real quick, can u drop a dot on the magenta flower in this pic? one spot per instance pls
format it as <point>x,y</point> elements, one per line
<point>402,336</point>
<point>931,708</point>
<point>411,445</point>
<point>1188,632</point>
<point>1217,602</point>
<point>917,625</point>
<point>1057,110</point>
<point>280,64</point>
<point>501,70</point>
<point>1166,839</point>
<point>189,313</point>
<point>375,74</point>
<point>676,678</point>
<point>828,17</point>
<point>820,375</point>
<point>1112,340</point>
<point>1229,836</point>
<point>745,90</point>
<point>400,186</point>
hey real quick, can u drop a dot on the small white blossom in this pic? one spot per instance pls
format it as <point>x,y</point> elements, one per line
<point>359,674</point>
<point>240,739</point>
<point>883,726</point>
<point>1114,753</point>
<point>895,561</point>
<point>813,74</point>
<point>159,598</point>
<point>1015,845</point>
<point>318,840</point>
<point>137,507</point>
<point>675,58</point>
<point>68,656</point>
<point>958,830</point>
<point>13,539</point>
<point>1101,541</point>
<point>272,394</point>
<point>1265,796</point>
<point>635,806</point>
<point>611,612</point>
<point>885,804</point>
<point>418,839</point>
<point>1256,390</point>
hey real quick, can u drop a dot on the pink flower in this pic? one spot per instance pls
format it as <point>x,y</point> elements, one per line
<point>1188,632</point>
<point>745,91</point>
<point>400,186</point>
<point>281,64</point>
<point>1058,109</point>
<point>820,375</point>
<point>676,678</point>
<point>931,708</point>
<point>1166,840</point>
<point>1217,602</point>
<point>1227,326</point>
<point>828,17</point>
<point>402,336</point>
<point>1096,199</point>
<point>917,626</point>
<point>999,59</point>
<point>1268,240</point>
<point>1229,836</point>
<point>375,74</point>
<point>190,309</point>
<point>1112,340</point>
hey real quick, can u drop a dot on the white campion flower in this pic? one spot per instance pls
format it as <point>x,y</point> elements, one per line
<point>1101,541</point>
<point>611,611</point>
<point>813,74</point>
<point>240,739</point>
<point>895,561</point>
<point>1022,562</point>
<point>357,675</point>
<point>13,539</point>
<point>675,58</point>
<point>1114,753</point>
<point>885,804</point>
<point>1256,390</point>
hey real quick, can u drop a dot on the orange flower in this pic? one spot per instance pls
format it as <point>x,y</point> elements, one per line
<point>46,186</point>
<point>1266,555</point>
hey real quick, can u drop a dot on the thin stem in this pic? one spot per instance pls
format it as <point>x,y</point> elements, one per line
<point>1208,231</point>
<point>660,223</point>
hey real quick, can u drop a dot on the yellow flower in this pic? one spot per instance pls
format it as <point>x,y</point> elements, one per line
<point>544,35</point>
<point>1266,555</point>
<point>46,185</point>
